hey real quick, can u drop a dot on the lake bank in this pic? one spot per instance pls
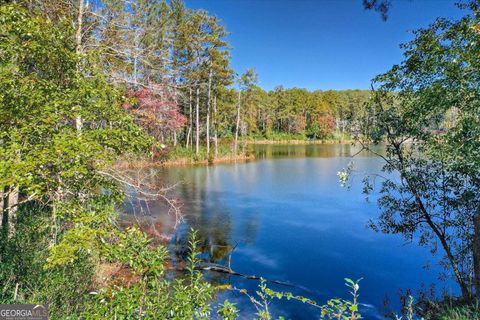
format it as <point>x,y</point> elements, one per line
<point>180,162</point>
<point>301,142</point>
<point>187,157</point>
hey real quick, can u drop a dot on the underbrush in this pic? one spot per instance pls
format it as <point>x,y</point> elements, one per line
<point>189,155</point>
<point>449,309</point>
<point>131,277</point>
<point>296,137</point>
<point>461,313</point>
<point>128,278</point>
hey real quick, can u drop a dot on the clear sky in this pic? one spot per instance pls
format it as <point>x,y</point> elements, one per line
<point>320,44</point>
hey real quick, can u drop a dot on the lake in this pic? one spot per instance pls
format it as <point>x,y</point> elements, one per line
<point>285,217</point>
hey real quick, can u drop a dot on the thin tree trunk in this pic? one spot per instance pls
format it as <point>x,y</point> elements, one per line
<point>428,219</point>
<point>78,50</point>
<point>4,208</point>
<point>476,252</point>
<point>9,210</point>
<point>305,120</point>
<point>185,129</point>
<point>215,124</point>
<point>1,203</point>
<point>190,118</point>
<point>78,35</point>
<point>135,76</point>
<point>402,169</point>
<point>208,109</point>
<point>197,122</point>
<point>175,99</point>
<point>135,56</point>
<point>54,226</point>
<point>12,211</point>
<point>235,146</point>
<point>342,125</point>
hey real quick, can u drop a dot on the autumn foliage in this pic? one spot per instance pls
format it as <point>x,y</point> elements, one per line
<point>155,109</point>
<point>322,127</point>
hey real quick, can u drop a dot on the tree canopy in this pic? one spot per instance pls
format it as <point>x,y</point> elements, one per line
<point>427,109</point>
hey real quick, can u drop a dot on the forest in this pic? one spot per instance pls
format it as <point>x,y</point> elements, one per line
<point>172,65</point>
<point>87,85</point>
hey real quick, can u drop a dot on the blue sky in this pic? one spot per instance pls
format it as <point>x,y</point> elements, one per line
<point>320,44</point>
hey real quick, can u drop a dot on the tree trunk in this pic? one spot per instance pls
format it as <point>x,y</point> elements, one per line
<point>9,210</point>
<point>342,125</point>
<point>175,99</point>
<point>78,50</point>
<point>79,123</point>
<point>135,72</point>
<point>208,109</point>
<point>215,124</point>
<point>4,208</point>
<point>78,35</point>
<point>238,122</point>
<point>466,294</point>
<point>1,204</point>
<point>197,122</point>
<point>453,262</point>
<point>12,211</point>
<point>190,118</point>
<point>476,252</point>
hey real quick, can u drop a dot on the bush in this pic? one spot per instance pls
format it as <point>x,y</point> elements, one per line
<point>23,276</point>
<point>152,295</point>
<point>281,136</point>
<point>461,313</point>
<point>137,282</point>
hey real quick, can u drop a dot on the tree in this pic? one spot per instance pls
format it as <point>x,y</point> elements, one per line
<point>381,6</point>
<point>437,161</point>
<point>155,109</point>
<point>321,127</point>
<point>43,156</point>
<point>245,83</point>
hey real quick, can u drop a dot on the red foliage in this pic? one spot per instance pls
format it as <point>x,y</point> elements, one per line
<point>155,108</point>
<point>325,125</point>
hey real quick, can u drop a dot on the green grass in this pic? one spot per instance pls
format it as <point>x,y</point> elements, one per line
<point>179,153</point>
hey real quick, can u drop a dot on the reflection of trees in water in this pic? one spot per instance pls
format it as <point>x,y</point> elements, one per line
<point>272,151</point>
<point>207,216</point>
<point>146,197</point>
<point>206,212</point>
<point>203,208</point>
<point>250,230</point>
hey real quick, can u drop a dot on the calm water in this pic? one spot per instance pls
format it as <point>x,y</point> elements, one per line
<point>285,217</point>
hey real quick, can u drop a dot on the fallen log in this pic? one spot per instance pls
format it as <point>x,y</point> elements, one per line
<point>222,269</point>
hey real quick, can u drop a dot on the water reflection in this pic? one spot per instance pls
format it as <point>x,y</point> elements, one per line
<point>285,217</point>
<point>274,151</point>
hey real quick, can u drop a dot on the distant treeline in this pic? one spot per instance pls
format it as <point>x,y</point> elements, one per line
<point>173,65</point>
<point>309,114</point>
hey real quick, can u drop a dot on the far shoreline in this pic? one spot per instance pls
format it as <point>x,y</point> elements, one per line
<point>243,157</point>
<point>294,142</point>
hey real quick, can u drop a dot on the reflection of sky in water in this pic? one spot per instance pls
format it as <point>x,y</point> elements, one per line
<point>257,256</point>
<point>290,220</point>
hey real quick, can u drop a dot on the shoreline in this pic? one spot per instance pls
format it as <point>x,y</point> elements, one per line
<point>186,161</point>
<point>299,142</point>
<point>181,162</point>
